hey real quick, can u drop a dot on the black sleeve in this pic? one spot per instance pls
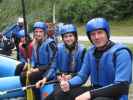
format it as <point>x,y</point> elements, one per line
<point>83,54</point>
<point>53,47</point>
<point>113,90</point>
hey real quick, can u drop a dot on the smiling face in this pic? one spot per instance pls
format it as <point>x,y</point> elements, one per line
<point>39,34</point>
<point>99,38</point>
<point>69,39</point>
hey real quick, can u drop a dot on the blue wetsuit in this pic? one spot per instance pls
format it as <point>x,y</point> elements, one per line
<point>111,72</point>
<point>63,60</point>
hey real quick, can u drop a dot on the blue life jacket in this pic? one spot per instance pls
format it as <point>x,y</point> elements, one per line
<point>62,59</point>
<point>44,54</point>
<point>107,71</point>
<point>114,66</point>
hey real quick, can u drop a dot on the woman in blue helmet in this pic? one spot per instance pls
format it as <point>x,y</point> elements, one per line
<point>69,57</point>
<point>108,64</point>
<point>43,53</point>
<point>22,53</point>
<point>21,36</point>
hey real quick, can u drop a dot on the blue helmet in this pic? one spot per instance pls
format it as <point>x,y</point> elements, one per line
<point>21,33</point>
<point>97,23</point>
<point>40,25</point>
<point>68,28</point>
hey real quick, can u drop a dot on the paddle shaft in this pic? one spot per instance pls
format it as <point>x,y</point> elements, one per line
<point>25,87</point>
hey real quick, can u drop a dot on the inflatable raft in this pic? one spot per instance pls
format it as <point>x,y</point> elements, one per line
<point>13,82</point>
<point>7,66</point>
<point>9,81</point>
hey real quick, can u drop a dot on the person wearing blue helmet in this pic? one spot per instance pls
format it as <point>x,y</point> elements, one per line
<point>12,33</point>
<point>22,53</point>
<point>21,36</point>
<point>11,37</point>
<point>108,64</point>
<point>43,54</point>
<point>69,58</point>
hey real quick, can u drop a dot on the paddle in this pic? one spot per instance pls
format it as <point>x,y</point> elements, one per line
<point>24,88</point>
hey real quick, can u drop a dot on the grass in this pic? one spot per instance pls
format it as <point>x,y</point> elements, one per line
<point>131,92</point>
<point>81,30</point>
<point>124,27</point>
<point>130,46</point>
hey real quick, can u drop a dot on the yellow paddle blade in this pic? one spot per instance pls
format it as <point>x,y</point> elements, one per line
<point>29,94</point>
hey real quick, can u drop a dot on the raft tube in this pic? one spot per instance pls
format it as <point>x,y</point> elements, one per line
<point>46,90</point>
<point>9,83</point>
<point>7,66</point>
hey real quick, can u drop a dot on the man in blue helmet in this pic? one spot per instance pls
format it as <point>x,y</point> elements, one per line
<point>69,57</point>
<point>108,64</point>
<point>12,33</point>
<point>14,29</point>
<point>43,53</point>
